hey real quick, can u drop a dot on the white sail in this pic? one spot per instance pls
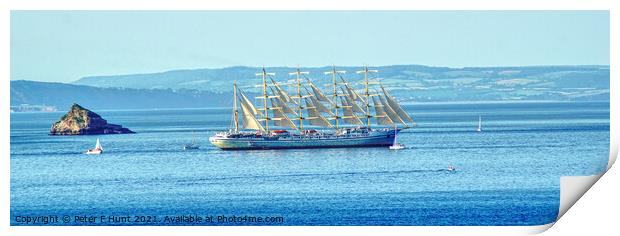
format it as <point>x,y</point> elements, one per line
<point>98,145</point>
<point>285,108</point>
<point>396,107</point>
<point>352,103</point>
<point>318,94</point>
<point>281,92</point>
<point>390,112</point>
<point>280,119</point>
<point>248,104</point>
<point>247,116</point>
<point>395,136</point>
<point>278,101</point>
<point>353,95</point>
<point>314,116</point>
<point>319,106</point>
<point>348,115</point>
<point>479,124</point>
<point>381,115</point>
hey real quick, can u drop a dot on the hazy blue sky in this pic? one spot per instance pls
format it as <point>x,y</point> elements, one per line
<point>66,45</point>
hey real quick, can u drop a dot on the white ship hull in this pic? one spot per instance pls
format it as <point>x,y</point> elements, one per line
<point>93,152</point>
<point>375,139</point>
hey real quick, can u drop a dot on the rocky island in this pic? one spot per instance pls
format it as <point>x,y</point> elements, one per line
<point>81,121</point>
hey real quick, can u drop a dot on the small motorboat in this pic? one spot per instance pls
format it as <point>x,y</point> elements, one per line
<point>396,145</point>
<point>451,168</point>
<point>97,150</point>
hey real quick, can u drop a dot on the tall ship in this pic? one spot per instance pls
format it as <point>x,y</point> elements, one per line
<point>299,114</point>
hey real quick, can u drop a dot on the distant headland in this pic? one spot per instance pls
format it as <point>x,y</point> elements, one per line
<point>201,88</point>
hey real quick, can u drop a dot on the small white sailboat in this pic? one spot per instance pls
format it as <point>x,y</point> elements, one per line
<point>396,145</point>
<point>479,124</point>
<point>191,146</point>
<point>97,150</point>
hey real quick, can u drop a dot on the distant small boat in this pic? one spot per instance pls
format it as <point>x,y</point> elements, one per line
<point>191,146</point>
<point>451,168</point>
<point>95,151</point>
<point>479,124</point>
<point>395,144</point>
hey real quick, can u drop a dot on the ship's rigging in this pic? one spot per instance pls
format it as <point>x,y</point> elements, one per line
<point>308,105</point>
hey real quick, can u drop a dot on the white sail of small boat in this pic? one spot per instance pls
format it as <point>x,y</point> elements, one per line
<point>97,150</point>
<point>479,124</point>
<point>192,145</point>
<point>396,145</point>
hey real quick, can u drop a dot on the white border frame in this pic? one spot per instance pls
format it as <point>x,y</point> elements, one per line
<point>8,5</point>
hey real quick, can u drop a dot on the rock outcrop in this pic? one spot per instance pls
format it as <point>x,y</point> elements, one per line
<point>81,121</point>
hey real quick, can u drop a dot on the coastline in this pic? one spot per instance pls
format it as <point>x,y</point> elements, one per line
<point>404,103</point>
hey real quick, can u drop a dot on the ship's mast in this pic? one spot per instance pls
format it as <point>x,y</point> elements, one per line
<point>334,73</point>
<point>298,73</point>
<point>235,110</point>
<point>367,96</point>
<point>335,96</point>
<point>301,114</point>
<point>366,93</point>
<point>265,96</point>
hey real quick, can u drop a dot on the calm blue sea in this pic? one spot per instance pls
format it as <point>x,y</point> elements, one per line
<point>507,175</point>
